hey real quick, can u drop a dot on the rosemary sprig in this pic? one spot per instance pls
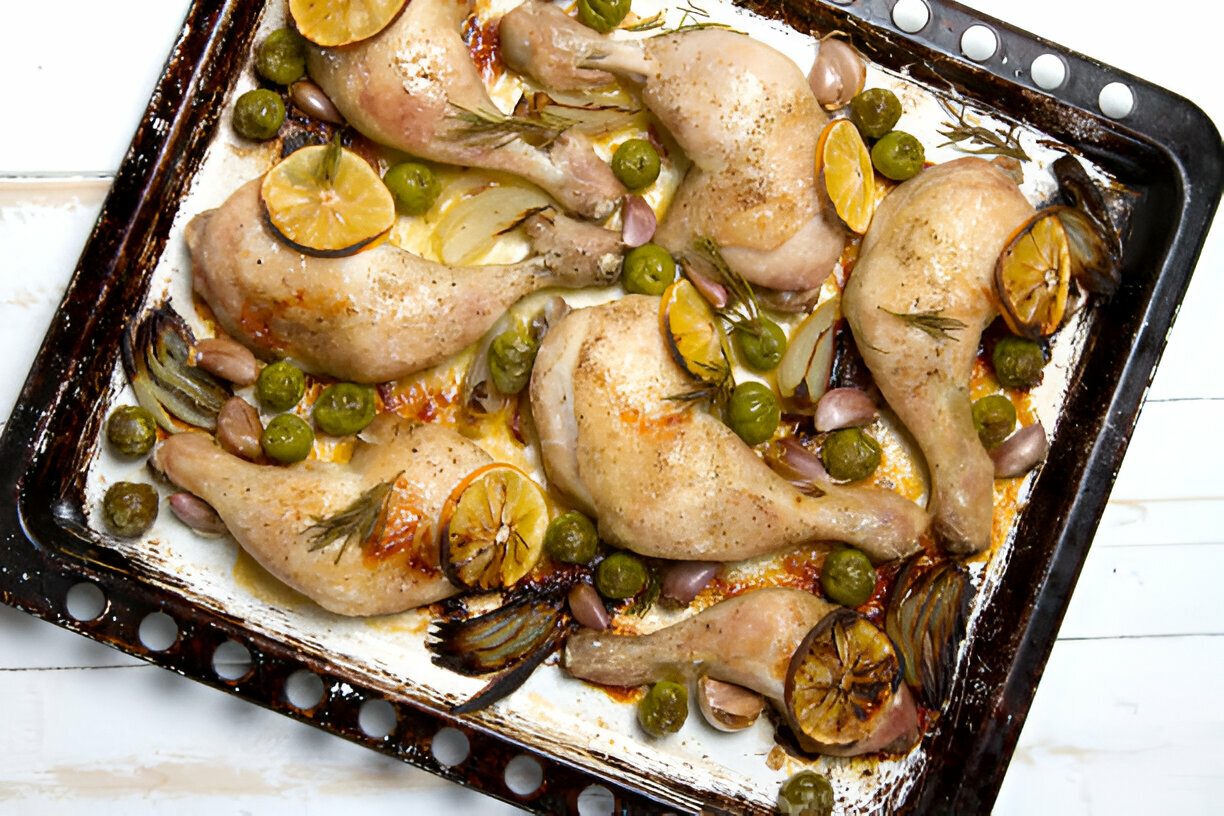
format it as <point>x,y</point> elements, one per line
<point>361,521</point>
<point>743,313</point>
<point>932,323</point>
<point>500,129</point>
<point>994,142</point>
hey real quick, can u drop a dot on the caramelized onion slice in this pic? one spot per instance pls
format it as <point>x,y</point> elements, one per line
<point>926,618</point>
<point>157,359</point>
<point>495,640</point>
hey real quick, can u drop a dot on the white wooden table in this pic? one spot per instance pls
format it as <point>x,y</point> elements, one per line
<point>1126,719</point>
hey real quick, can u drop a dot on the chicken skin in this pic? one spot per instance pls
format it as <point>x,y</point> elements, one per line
<point>380,314</point>
<point>743,113</point>
<point>274,512</point>
<point>408,86</point>
<point>747,640</point>
<point>931,251</point>
<point>663,477</point>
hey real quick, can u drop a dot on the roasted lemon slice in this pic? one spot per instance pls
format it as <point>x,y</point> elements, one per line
<point>693,334</point>
<point>841,681</point>
<point>326,200</point>
<point>1033,276</point>
<point>849,178</point>
<point>494,524</point>
<point>340,22</point>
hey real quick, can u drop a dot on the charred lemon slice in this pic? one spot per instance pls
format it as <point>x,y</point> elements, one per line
<point>326,200</point>
<point>494,524</point>
<point>339,22</point>
<point>693,334</point>
<point>841,681</point>
<point>1033,276</point>
<point>849,178</point>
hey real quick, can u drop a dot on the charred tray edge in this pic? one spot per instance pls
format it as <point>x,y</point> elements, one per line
<point>1166,150</point>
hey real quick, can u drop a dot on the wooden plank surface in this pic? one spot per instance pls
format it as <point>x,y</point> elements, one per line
<point>1124,721</point>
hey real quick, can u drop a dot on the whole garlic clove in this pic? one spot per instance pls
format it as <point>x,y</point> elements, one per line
<point>837,75</point>
<point>728,707</point>
<point>1021,452</point>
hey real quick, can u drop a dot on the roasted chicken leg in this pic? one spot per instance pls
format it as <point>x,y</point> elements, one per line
<point>931,252</point>
<point>409,87</point>
<point>665,478</point>
<point>278,513</point>
<point>380,314</point>
<point>747,640</point>
<point>741,111</point>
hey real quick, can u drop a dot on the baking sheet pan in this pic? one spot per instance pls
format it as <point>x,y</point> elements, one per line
<point>1166,151</point>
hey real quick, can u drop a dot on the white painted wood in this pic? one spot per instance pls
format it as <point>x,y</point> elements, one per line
<point>1124,721</point>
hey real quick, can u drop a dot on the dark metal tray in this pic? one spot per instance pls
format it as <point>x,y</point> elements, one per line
<point>1166,151</point>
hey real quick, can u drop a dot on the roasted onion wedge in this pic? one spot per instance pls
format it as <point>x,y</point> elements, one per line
<point>511,640</point>
<point>157,359</point>
<point>926,619</point>
<point>842,684</point>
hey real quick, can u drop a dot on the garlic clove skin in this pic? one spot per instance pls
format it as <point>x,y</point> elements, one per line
<point>728,707</point>
<point>1021,452</point>
<point>638,221</point>
<point>838,74</point>
<point>844,408</point>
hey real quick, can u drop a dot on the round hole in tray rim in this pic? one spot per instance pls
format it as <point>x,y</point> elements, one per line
<point>911,16</point>
<point>450,746</point>
<point>85,601</point>
<point>158,631</point>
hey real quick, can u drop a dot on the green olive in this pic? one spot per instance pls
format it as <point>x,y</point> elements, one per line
<point>414,186</point>
<point>511,356</point>
<point>875,112</point>
<point>1018,362</point>
<point>129,508</point>
<point>636,163</point>
<point>753,412</point>
<point>287,438</point>
<point>131,430</point>
<point>994,417</point>
<point>280,386</point>
<point>344,408</point>
<point>807,793</point>
<point>603,15</point>
<point>620,576</point>
<point>258,114</point>
<point>898,155</point>
<point>850,455</point>
<point>281,57</point>
<point>571,538</point>
<point>762,351</point>
<point>664,708</point>
<point>648,270</point>
<point>847,577</point>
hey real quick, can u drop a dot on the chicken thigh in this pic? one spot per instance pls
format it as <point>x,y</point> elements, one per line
<point>743,113</point>
<point>380,314</point>
<point>747,640</point>
<point>275,512</point>
<point>930,253</point>
<point>663,477</point>
<point>407,87</point>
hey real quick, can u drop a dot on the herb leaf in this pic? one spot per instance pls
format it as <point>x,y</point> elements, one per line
<point>500,129</point>
<point>993,142</point>
<point>361,521</point>
<point>932,323</point>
